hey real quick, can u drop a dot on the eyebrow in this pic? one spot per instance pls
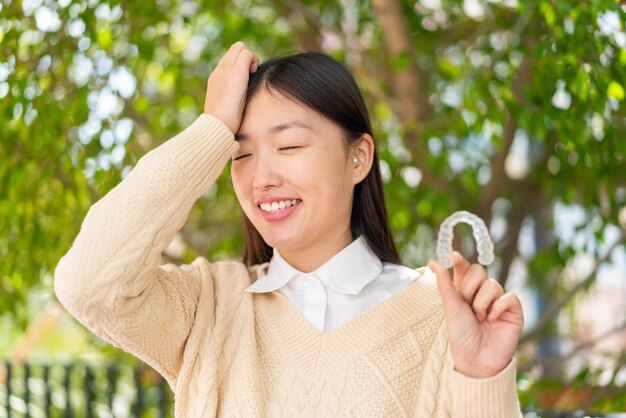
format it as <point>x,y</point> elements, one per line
<point>276,129</point>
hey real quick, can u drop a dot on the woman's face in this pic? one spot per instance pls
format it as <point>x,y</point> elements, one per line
<point>294,179</point>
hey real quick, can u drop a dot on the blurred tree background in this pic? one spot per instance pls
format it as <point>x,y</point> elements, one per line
<point>511,109</point>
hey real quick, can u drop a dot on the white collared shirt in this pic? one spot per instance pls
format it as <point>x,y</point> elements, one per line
<point>349,283</point>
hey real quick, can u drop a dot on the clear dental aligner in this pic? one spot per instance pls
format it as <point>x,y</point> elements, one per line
<point>484,246</point>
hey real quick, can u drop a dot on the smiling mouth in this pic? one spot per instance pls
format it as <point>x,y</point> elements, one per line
<point>278,206</point>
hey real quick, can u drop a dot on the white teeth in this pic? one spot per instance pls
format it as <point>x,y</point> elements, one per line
<point>276,206</point>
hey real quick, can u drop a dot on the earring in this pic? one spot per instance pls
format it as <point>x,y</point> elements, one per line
<point>355,160</point>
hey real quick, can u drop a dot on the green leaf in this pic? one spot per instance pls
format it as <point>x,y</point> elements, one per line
<point>448,69</point>
<point>615,90</point>
<point>105,38</point>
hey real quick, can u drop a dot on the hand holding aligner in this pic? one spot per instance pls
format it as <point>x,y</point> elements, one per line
<point>484,246</point>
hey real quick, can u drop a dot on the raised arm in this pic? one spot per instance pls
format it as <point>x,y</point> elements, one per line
<point>110,279</point>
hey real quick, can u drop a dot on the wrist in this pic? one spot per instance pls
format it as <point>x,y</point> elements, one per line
<point>475,372</point>
<point>222,119</point>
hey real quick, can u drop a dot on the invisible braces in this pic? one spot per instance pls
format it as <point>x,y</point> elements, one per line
<point>484,245</point>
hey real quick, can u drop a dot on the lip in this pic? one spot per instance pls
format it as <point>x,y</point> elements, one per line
<point>280,215</point>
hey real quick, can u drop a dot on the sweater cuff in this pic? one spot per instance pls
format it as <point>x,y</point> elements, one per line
<point>207,138</point>
<point>495,396</point>
<point>200,151</point>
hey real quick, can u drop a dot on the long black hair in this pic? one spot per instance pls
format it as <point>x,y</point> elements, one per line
<point>320,83</point>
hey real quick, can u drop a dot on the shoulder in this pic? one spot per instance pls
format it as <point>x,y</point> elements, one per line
<point>223,286</point>
<point>233,272</point>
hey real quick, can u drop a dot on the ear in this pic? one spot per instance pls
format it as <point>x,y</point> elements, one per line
<point>363,150</point>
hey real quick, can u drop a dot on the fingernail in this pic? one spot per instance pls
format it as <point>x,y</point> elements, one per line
<point>456,254</point>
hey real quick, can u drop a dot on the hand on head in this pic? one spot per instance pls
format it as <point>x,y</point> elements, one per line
<point>226,88</point>
<point>483,322</point>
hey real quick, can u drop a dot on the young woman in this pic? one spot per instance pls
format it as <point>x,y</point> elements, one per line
<point>320,319</point>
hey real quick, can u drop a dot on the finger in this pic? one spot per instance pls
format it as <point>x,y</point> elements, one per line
<point>459,266</point>
<point>245,60</point>
<point>232,54</point>
<point>471,282</point>
<point>489,291</point>
<point>509,302</point>
<point>255,64</point>
<point>451,299</point>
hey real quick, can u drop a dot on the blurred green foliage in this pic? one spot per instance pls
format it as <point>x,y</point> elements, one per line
<point>505,108</point>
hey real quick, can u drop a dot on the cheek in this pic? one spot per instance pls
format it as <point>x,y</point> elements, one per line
<point>327,180</point>
<point>239,184</point>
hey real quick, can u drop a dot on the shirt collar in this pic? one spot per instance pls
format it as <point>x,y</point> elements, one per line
<point>348,271</point>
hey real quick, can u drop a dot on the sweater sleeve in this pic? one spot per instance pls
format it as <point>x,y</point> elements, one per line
<point>111,279</point>
<point>491,397</point>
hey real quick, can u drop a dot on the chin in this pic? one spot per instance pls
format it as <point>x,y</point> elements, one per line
<point>278,242</point>
<point>281,241</point>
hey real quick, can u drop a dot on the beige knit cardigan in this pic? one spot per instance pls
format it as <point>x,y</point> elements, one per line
<point>226,352</point>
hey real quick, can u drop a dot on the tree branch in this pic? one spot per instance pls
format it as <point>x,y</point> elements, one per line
<point>528,195</point>
<point>409,84</point>
<point>602,392</point>
<point>408,81</point>
<point>499,179</point>
<point>514,223</point>
<point>554,309</point>
<point>309,34</point>
<point>590,344</point>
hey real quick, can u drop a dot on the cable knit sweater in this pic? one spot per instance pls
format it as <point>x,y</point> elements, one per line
<point>226,352</point>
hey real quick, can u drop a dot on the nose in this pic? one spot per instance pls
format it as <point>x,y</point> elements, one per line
<point>265,173</point>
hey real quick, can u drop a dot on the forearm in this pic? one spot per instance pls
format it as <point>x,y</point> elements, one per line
<point>123,235</point>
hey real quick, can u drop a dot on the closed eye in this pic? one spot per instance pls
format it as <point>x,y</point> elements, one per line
<point>240,157</point>
<point>289,148</point>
